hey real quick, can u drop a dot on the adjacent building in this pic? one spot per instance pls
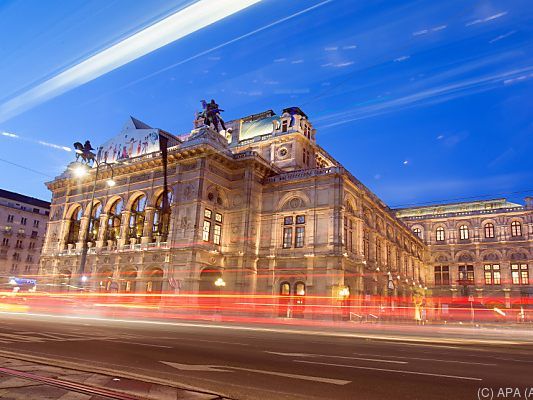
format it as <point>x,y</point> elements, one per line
<point>261,206</point>
<point>480,249</point>
<point>23,222</point>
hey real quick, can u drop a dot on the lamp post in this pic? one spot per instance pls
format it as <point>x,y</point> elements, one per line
<point>80,171</point>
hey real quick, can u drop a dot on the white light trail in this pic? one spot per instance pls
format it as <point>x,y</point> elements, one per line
<point>174,27</point>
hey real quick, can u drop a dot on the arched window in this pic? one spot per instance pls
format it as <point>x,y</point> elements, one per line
<point>417,232</point>
<point>285,289</point>
<point>489,230</point>
<point>114,220</point>
<point>516,228</point>
<point>94,222</point>
<point>75,223</point>
<point>464,234</point>
<point>161,219</point>
<point>299,289</point>
<point>440,234</point>
<point>137,217</point>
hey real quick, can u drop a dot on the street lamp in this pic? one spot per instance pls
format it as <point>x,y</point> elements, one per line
<point>80,171</point>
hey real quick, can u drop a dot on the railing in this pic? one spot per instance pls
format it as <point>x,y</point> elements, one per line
<point>302,174</point>
<point>462,213</point>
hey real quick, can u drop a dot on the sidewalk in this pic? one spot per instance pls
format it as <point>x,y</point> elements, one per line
<point>82,385</point>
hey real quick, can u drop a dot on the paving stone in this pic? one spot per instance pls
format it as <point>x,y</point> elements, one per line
<point>75,396</point>
<point>41,392</point>
<point>13,382</point>
<point>163,392</point>
<point>187,395</point>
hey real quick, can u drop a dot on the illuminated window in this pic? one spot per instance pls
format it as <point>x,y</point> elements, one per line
<point>489,230</point>
<point>466,273</point>
<point>300,234</point>
<point>285,289</point>
<point>137,217</point>
<point>287,238</point>
<point>212,221</point>
<point>492,274</point>
<point>348,233</point>
<point>442,275</point>
<point>74,228</point>
<point>520,274</point>
<point>217,234</point>
<point>94,227</point>
<point>299,289</point>
<point>297,225</point>
<point>206,231</point>
<point>417,232</point>
<point>463,232</point>
<point>516,228</point>
<point>162,215</point>
<point>114,220</point>
<point>440,234</point>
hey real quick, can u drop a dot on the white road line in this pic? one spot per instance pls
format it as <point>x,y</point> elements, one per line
<point>136,343</point>
<point>227,368</point>
<point>398,371</point>
<point>431,359</point>
<point>332,356</point>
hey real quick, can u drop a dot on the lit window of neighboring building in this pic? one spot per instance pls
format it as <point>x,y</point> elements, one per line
<point>489,230</point>
<point>516,228</point>
<point>464,234</point>
<point>520,274</point>
<point>417,232</point>
<point>492,274</point>
<point>442,275</point>
<point>440,234</point>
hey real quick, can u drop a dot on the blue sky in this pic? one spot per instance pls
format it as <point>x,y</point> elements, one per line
<point>423,101</point>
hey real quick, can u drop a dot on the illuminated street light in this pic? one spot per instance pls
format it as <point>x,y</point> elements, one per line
<point>344,292</point>
<point>111,182</point>
<point>84,278</point>
<point>79,170</point>
<point>220,282</point>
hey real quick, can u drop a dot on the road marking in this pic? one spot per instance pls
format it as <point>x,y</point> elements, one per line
<point>136,343</point>
<point>429,345</point>
<point>432,359</point>
<point>224,368</point>
<point>332,356</point>
<point>399,371</point>
<point>194,367</point>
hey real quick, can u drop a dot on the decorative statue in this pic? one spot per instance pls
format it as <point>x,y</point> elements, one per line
<point>211,115</point>
<point>84,151</point>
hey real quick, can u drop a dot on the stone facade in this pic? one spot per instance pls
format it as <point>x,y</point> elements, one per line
<point>480,249</point>
<point>23,222</point>
<point>262,205</point>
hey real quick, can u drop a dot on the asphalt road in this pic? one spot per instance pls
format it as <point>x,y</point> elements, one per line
<point>291,362</point>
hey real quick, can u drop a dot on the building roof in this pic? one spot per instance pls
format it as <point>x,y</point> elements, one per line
<point>467,206</point>
<point>6,194</point>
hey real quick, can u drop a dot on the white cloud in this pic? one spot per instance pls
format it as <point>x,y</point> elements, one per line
<point>297,61</point>
<point>182,23</point>
<point>279,60</point>
<point>331,48</point>
<point>344,64</point>
<point>505,35</point>
<point>487,19</point>
<point>349,47</point>
<point>402,58</point>
<point>54,146</point>
<point>11,135</point>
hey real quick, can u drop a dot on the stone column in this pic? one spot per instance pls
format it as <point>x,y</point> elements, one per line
<point>149,213</point>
